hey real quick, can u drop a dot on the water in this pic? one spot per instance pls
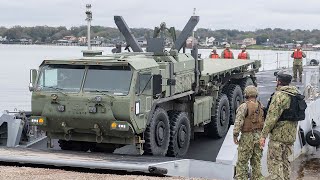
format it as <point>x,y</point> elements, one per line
<point>17,60</point>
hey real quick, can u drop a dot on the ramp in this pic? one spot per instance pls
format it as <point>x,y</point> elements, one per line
<point>143,164</point>
<point>83,160</point>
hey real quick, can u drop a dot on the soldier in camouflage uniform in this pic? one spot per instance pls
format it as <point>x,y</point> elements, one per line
<point>249,121</point>
<point>297,56</point>
<point>282,132</point>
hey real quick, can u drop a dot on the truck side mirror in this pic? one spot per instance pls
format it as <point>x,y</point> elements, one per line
<point>157,84</point>
<point>33,77</point>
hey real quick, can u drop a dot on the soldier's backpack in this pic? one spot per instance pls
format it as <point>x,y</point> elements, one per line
<point>296,111</point>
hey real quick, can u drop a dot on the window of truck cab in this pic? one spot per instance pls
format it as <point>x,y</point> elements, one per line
<point>143,84</point>
<point>60,77</point>
<point>115,80</point>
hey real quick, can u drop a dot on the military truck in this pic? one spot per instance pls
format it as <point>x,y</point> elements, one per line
<point>156,100</point>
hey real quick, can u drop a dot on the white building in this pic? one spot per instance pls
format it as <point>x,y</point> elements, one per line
<point>3,38</point>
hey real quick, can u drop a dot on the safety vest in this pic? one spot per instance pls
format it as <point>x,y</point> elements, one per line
<point>214,56</point>
<point>254,119</point>
<point>297,54</point>
<point>227,54</point>
<point>243,55</point>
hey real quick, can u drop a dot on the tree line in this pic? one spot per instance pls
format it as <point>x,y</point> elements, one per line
<point>46,34</point>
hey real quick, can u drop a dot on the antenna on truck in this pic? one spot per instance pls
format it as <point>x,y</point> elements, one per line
<point>90,52</point>
<point>89,19</point>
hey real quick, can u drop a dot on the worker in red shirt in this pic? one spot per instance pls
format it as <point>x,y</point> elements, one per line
<point>297,56</point>
<point>243,54</point>
<point>227,53</point>
<point>214,54</point>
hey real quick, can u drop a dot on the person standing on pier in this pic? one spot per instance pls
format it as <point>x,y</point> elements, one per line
<point>214,54</point>
<point>297,56</point>
<point>243,54</point>
<point>282,130</point>
<point>227,53</point>
<point>249,121</point>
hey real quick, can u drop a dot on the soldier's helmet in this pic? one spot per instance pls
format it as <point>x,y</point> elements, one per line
<point>251,91</point>
<point>214,48</point>
<point>283,76</point>
<point>227,45</point>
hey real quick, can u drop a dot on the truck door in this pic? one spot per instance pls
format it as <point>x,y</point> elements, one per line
<point>144,94</point>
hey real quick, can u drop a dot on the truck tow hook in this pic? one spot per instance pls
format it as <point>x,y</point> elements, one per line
<point>67,136</point>
<point>67,131</point>
<point>97,130</point>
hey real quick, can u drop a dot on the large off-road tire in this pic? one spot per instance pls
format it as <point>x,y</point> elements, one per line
<point>246,82</point>
<point>157,134</point>
<point>235,96</point>
<point>74,145</point>
<point>180,133</point>
<point>218,127</point>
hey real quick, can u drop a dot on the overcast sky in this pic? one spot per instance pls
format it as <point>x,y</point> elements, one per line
<point>214,14</point>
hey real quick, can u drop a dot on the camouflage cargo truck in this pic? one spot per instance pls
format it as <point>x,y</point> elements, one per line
<point>155,100</point>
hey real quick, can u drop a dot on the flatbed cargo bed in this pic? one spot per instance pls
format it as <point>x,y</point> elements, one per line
<point>222,66</point>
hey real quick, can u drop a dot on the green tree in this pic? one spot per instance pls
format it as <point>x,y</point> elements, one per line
<point>262,39</point>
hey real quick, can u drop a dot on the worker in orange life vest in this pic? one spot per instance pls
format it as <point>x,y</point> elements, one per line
<point>227,53</point>
<point>297,56</point>
<point>214,54</point>
<point>243,54</point>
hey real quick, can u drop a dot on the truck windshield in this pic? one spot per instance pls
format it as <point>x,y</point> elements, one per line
<point>115,80</point>
<point>61,78</point>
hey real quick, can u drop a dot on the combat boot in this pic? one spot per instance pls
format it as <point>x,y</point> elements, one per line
<point>300,80</point>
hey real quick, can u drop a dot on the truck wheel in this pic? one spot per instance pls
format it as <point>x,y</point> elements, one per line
<point>157,134</point>
<point>246,82</point>
<point>235,96</point>
<point>180,133</point>
<point>218,127</point>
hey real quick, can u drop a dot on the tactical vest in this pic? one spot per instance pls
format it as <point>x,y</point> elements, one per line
<point>214,56</point>
<point>243,55</point>
<point>254,119</point>
<point>297,54</point>
<point>296,111</point>
<point>227,54</point>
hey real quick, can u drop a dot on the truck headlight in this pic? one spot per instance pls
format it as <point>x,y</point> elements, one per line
<point>38,120</point>
<point>120,126</point>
